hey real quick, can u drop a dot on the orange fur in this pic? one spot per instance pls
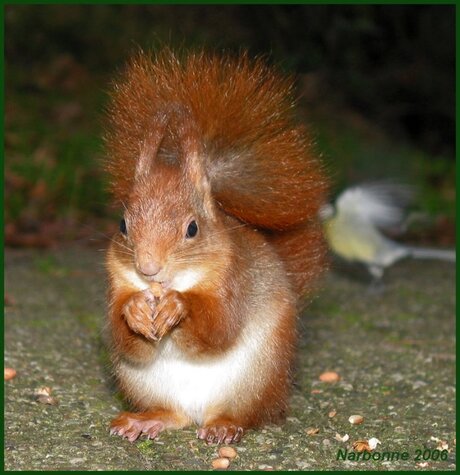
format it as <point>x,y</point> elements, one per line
<point>212,139</point>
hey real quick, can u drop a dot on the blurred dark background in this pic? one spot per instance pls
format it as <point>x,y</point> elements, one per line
<point>376,83</point>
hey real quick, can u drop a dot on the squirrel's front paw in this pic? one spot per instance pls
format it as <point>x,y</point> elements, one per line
<point>170,310</point>
<point>139,311</point>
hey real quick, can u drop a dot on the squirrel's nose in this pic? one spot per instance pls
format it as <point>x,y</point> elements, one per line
<point>148,268</point>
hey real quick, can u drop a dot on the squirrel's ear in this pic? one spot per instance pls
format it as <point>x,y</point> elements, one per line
<point>191,154</point>
<point>151,144</point>
<point>196,173</point>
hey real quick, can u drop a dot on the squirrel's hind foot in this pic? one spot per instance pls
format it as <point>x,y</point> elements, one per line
<point>131,426</point>
<point>219,432</point>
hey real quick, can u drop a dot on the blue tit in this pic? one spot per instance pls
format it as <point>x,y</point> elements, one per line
<point>353,227</point>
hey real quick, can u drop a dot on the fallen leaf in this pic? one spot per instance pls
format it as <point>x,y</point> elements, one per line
<point>9,300</point>
<point>39,191</point>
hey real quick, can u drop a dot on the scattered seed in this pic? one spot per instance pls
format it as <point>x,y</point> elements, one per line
<point>265,468</point>
<point>227,452</point>
<point>356,419</point>
<point>157,289</point>
<point>422,464</point>
<point>329,377</point>
<point>312,431</point>
<point>43,391</point>
<point>373,442</point>
<point>10,373</point>
<point>361,446</point>
<point>333,413</point>
<point>220,463</point>
<point>443,445</point>
<point>341,438</point>
<point>50,400</point>
<point>316,391</point>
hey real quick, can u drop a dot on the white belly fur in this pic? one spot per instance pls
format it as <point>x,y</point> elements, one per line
<point>193,386</point>
<point>172,380</point>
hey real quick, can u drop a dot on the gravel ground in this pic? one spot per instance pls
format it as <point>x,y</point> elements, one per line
<point>394,352</point>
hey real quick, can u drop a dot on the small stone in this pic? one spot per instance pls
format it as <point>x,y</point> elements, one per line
<point>418,384</point>
<point>347,386</point>
<point>302,464</point>
<point>293,419</point>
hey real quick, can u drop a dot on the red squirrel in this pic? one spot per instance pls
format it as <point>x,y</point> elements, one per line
<point>218,246</point>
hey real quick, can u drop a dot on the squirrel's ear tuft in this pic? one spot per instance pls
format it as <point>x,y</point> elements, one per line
<point>150,145</point>
<point>191,156</point>
<point>196,173</point>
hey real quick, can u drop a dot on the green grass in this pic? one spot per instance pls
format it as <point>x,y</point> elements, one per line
<point>57,161</point>
<point>49,265</point>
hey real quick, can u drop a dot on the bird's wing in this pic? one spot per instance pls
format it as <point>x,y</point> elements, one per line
<point>379,203</point>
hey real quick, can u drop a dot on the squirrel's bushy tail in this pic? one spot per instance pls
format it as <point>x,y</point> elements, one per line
<point>260,162</point>
<point>304,253</point>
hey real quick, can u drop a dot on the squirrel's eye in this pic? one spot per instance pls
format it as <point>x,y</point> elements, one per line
<point>123,228</point>
<point>192,229</point>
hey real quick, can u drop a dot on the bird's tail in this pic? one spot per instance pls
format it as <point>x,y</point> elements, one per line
<point>428,253</point>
